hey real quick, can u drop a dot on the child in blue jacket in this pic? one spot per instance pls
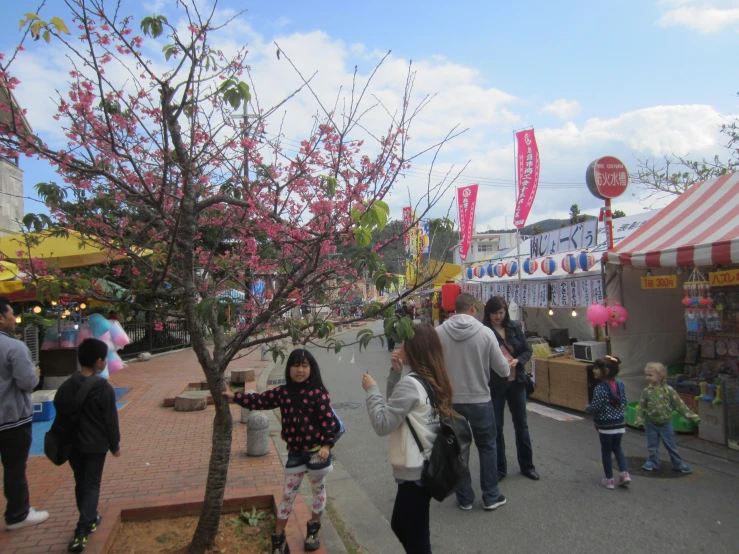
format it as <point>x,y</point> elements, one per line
<point>607,407</point>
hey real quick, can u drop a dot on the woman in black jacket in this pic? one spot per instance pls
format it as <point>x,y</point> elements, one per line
<point>517,351</point>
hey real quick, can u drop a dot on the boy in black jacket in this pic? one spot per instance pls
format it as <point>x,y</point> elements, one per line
<point>96,433</point>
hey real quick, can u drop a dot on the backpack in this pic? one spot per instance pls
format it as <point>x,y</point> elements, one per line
<point>447,463</point>
<point>59,440</point>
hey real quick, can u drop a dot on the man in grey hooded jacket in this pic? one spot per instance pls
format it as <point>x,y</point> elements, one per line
<point>471,351</point>
<point>17,379</point>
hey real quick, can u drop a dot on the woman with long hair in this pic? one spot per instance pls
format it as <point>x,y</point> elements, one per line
<point>420,357</point>
<point>517,351</point>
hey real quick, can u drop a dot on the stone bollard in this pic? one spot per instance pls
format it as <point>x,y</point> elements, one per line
<point>257,434</point>
<point>266,356</point>
<point>246,412</point>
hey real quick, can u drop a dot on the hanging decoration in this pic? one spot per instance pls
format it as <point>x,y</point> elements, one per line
<point>548,265</point>
<point>499,270</point>
<point>617,315</point>
<point>469,273</point>
<point>569,263</point>
<point>512,268</point>
<point>530,266</point>
<point>479,271</point>
<point>597,314</point>
<point>489,270</point>
<point>585,260</point>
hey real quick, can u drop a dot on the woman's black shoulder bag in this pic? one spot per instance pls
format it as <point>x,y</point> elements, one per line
<point>447,463</point>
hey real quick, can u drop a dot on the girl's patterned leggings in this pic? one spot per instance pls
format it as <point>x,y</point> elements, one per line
<point>292,485</point>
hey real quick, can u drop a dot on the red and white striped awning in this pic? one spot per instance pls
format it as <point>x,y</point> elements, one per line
<point>699,228</point>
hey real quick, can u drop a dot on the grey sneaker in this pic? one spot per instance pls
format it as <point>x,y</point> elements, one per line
<point>497,503</point>
<point>465,507</point>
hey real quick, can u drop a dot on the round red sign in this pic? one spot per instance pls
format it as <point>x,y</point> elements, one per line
<point>607,177</point>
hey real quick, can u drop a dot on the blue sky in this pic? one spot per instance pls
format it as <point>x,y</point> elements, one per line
<point>633,78</point>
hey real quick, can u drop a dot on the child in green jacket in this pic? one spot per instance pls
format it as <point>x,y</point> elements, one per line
<point>658,401</point>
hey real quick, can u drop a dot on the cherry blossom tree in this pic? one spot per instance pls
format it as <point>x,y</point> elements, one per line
<point>157,167</point>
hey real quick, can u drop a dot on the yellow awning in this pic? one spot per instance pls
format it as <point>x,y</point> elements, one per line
<point>61,252</point>
<point>446,273</point>
<point>9,278</point>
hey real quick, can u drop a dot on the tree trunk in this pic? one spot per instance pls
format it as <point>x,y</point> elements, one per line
<point>215,486</point>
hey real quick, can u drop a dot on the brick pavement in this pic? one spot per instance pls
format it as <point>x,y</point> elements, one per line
<point>176,445</point>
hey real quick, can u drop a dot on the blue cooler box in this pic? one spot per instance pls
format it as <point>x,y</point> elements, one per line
<point>43,405</point>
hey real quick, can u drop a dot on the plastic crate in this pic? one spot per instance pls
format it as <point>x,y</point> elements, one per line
<point>43,405</point>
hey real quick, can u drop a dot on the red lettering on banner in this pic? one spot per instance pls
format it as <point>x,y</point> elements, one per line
<point>466,201</point>
<point>528,175</point>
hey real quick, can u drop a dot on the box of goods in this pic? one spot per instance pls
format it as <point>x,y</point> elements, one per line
<point>568,384</point>
<point>43,405</point>
<point>540,371</point>
<point>691,401</point>
<point>712,427</point>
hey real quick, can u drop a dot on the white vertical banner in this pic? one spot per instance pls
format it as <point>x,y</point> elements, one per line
<point>517,294</point>
<point>574,293</point>
<point>564,293</point>
<point>543,294</point>
<point>525,295</point>
<point>508,293</point>
<point>597,289</point>
<point>556,294</point>
<point>586,292</point>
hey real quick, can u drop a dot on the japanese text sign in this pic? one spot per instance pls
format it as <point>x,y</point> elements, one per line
<point>661,282</point>
<point>466,201</point>
<point>527,166</point>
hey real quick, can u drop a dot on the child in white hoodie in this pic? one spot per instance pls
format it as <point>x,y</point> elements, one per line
<point>407,398</point>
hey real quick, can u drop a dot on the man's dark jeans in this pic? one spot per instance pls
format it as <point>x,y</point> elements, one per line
<point>515,394</point>
<point>88,473</point>
<point>15,444</point>
<point>482,421</point>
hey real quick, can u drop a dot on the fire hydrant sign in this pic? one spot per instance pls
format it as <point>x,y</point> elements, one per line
<point>660,282</point>
<point>607,177</point>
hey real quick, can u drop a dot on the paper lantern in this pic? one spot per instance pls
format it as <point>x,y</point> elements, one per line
<point>449,293</point>
<point>469,274</point>
<point>489,270</point>
<point>597,314</point>
<point>530,266</point>
<point>569,263</point>
<point>511,268</point>
<point>548,266</point>
<point>499,270</point>
<point>479,271</point>
<point>585,260</point>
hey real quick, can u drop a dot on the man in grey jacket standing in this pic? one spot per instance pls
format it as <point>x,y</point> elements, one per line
<point>471,351</point>
<point>17,380</point>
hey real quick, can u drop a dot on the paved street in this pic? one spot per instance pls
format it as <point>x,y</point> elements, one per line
<point>567,511</point>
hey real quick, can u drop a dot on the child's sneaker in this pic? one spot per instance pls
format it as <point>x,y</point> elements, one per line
<point>608,483</point>
<point>649,466</point>
<point>685,469</point>
<point>94,526</point>
<point>77,544</point>
<point>624,479</point>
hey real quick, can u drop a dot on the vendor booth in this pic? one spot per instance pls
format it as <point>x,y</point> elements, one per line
<point>686,308</point>
<point>561,275</point>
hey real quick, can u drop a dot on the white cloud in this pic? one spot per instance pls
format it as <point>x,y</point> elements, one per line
<point>562,108</point>
<point>699,15</point>
<point>462,97</point>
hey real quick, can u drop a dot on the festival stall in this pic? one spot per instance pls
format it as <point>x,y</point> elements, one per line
<point>686,308</point>
<point>560,277</point>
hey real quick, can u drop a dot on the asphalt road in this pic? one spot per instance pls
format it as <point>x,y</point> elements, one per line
<point>567,511</point>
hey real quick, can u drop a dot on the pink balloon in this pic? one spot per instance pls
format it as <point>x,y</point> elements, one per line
<point>621,315</point>
<point>597,314</point>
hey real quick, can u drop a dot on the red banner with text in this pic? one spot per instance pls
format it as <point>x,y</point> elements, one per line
<point>466,201</point>
<point>527,165</point>
<point>407,222</point>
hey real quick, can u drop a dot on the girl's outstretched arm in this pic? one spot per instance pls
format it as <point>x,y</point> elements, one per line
<point>386,417</point>
<point>268,400</point>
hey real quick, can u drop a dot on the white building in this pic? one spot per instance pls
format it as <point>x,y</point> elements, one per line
<point>485,245</point>
<point>11,176</point>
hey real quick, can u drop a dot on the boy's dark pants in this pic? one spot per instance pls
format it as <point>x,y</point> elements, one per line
<point>15,444</point>
<point>88,472</point>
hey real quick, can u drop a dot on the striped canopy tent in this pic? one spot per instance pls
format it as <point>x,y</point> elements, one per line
<point>699,228</point>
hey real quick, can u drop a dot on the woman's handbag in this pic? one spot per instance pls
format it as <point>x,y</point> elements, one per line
<point>522,376</point>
